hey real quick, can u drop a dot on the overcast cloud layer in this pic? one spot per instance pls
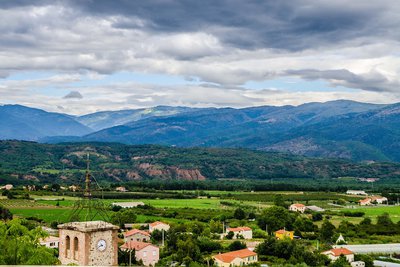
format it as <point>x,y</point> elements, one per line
<point>66,55</point>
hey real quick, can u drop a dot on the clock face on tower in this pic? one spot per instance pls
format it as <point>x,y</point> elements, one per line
<point>101,245</point>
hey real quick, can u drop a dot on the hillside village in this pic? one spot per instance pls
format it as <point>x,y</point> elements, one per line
<point>242,238</point>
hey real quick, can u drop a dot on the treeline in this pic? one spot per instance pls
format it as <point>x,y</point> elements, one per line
<point>30,162</point>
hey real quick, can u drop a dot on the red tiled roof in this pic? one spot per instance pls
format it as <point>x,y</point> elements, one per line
<point>238,229</point>
<point>157,223</point>
<point>298,205</point>
<point>136,231</point>
<point>339,251</point>
<point>230,256</point>
<point>136,245</point>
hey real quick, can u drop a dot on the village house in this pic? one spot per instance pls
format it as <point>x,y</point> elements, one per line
<point>137,235</point>
<point>356,192</point>
<point>235,258</point>
<point>297,207</point>
<point>239,232</point>
<point>158,226</point>
<point>282,234</point>
<point>373,200</point>
<point>50,242</point>
<point>335,253</point>
<point>7,187</point>
<point>121,189</point>
<point>148,253</point>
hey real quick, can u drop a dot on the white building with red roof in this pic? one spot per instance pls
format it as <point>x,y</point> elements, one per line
<point>158,226</point>
<point>244,231</point>
<point>148,253</point>
<point>297,207</point>
<point>235,258</point>
<point>137,235</point>
<point>335,253</point>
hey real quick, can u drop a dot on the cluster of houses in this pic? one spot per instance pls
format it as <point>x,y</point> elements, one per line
<point>335,253</point>
<point>369,200</point>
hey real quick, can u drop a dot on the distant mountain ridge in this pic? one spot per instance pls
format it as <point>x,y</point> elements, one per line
<point>335,129</point>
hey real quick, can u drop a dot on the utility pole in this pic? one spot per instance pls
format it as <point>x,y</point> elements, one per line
<point>162,231</point>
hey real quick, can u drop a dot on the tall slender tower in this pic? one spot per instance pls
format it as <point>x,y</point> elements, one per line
<point>88,208</point>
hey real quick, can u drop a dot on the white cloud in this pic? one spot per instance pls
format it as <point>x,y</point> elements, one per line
<point>74,41</point>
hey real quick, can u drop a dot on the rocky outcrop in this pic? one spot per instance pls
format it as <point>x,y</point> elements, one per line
<point>171,172</point>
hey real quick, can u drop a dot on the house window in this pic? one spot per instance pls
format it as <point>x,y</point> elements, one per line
<point>144,254</point>
<point>76,248</point>
<point>154,252</point>
<point>67,245</point>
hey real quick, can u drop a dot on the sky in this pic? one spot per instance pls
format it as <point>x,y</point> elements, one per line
<point>83,56</point>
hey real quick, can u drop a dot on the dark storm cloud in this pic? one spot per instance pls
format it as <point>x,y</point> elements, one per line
<point>73,95</point>
<point>372,81</point>
<point>290,25</point>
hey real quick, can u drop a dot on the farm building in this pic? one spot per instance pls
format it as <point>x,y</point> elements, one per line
<point>297,207</point>
<point>315,208</point>
<point>128,204</point>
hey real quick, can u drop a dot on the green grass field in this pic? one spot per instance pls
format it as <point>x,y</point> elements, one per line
<point>374,211</point>
<point>196,203</point>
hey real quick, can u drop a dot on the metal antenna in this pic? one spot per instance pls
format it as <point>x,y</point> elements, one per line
<point>92,208</point>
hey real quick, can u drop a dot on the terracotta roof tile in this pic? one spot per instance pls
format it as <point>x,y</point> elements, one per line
<point>136,245</point>
<point>156,223</point>
<point>230,256</point>
<point>238,229</point>
<point>339,251</point>
<point>136,231</point>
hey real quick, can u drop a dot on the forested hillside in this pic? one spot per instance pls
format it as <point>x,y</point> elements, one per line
<point>28,161</point>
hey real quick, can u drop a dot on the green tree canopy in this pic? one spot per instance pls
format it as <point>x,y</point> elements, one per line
<point>20,246</point>
<point>276,218</point>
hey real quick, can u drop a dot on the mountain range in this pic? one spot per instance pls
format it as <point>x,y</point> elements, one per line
<point>335,129</point>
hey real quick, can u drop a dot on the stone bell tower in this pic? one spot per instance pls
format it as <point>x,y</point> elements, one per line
<point>93,243</point>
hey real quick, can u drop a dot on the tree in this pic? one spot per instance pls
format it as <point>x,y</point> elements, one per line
<point>369,261</point>
<point>239,214</point>
<point>230,235</point>
<point>340,262</point>
<point>216,227</point>
<point>123,216</point>
<point>5,214</point>
<point>327,231</point>
<point>279,201</point>
<point>384,220</point>
<point>20,246</point>
<point>236,245</point>
<point>317,216</point>
<point>276,218</point>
